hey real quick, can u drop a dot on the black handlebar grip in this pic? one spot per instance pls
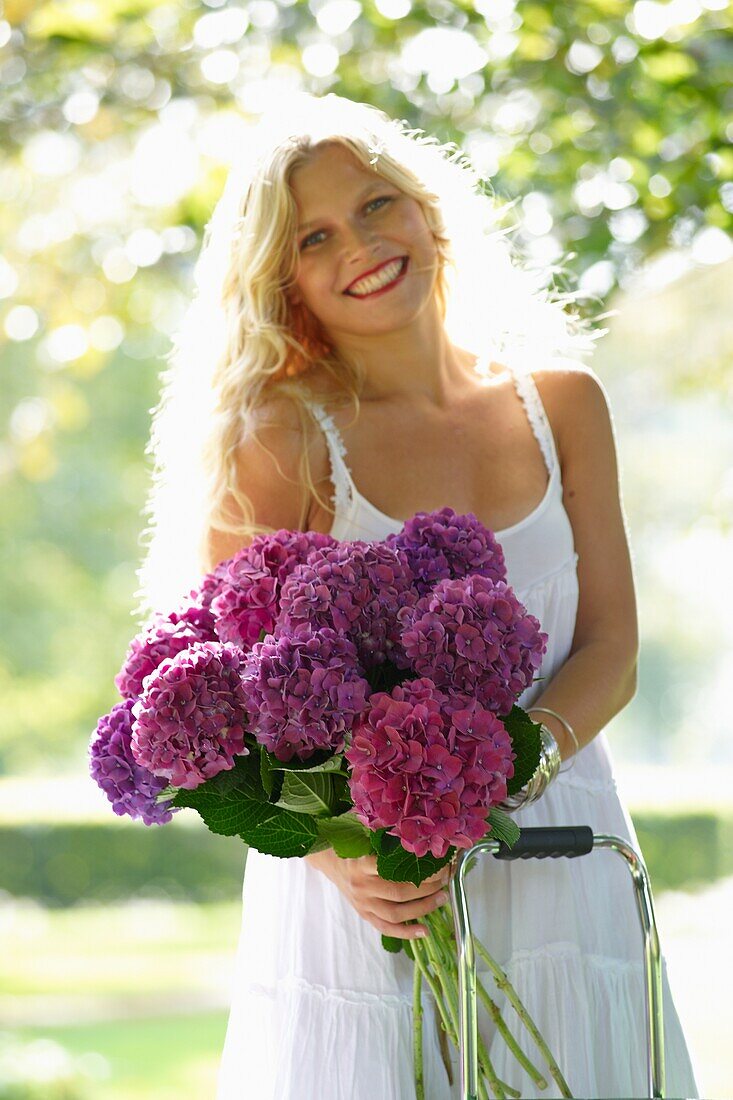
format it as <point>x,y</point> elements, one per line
<point>549,841</point>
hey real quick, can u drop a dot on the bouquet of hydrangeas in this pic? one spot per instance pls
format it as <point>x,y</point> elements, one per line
<point>361,696</point>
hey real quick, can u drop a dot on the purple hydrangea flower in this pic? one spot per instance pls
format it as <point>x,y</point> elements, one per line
<point>446,546</point>
<point>189,720</point>
<point>355,588</point>
<point>303,692</point>
<point>163,637</point>
<point>248,585</point>
<point>474,637</point>
<point>130,787</point>
<point>427,773</point>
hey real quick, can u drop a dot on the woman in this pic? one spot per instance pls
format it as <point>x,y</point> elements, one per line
<point>345,261</point>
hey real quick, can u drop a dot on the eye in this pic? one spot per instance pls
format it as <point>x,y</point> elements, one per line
<point>380,198</point>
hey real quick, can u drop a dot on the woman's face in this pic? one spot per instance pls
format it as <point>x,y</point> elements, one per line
<point>351,221</point>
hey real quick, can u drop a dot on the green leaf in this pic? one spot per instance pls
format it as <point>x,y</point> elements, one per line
<point>244,777</point>
<point>235,803</point>
<point>392,943</point>
<point>346,835</point>
<point>503,827</point>
<point>227,813</point>
<point>278,832</point>
<point>272,778</point>
<point>323,761</point>
<point>525,735</point>
<point>308,793</point>
<point>398,865</point>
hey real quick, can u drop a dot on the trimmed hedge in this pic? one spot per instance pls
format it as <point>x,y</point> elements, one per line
<point>62,864</point>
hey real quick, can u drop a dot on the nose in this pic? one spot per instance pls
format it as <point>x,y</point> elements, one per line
<point>361,256</point>
<point>359,243</point>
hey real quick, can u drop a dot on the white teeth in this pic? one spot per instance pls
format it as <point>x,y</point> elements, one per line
<point>374,282</point>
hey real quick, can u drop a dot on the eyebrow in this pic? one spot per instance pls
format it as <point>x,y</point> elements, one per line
<point>367,190</point>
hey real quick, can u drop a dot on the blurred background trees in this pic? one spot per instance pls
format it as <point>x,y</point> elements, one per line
<point>608,124</point>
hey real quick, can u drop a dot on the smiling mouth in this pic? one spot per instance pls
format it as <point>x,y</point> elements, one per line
<point>377,290</point>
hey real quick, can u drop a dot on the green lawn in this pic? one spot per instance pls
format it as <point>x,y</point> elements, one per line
<point>137,994</point>
<point>116,951</point>
<point>166,1058</point>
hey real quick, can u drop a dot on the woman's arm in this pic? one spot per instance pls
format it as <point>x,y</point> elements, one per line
<point>599,677</point>
<point>267,462</point>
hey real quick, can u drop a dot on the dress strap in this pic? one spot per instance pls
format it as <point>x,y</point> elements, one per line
<point>343,484</point>
<point>527,389</point>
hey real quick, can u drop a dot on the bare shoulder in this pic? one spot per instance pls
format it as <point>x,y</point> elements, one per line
<point>578,408</point>
<point>266,468</point>
<point>576,403</point>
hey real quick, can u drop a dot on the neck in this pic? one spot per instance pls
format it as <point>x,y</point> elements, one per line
<point>417,362</point>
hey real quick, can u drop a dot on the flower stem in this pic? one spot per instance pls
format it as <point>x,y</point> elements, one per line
<point>503,983</point>
<point>445,965</point>
<point>417,1033</point>
<point>493,1009</point>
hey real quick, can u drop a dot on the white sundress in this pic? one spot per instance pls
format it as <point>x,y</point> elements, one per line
<point>320,1011</point>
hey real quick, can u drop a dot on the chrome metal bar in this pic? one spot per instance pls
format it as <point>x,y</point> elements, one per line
<point>555,843</point>
<point>656,1076</point>
<point>467,1019</point>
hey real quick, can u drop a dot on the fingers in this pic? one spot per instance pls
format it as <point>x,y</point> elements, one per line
<point>406,891</point>
<point>399,912</point>
<point>399,931</point>
<point>390,920</point>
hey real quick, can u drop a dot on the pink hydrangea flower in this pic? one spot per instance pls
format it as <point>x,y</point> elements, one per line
<point>355,588</point>
<point>474,637</point>
<point>189,721</point>
<point>303,692</point>
<point>245,594</point>
<point>210,586</point>
<point>163,637</point>
<point>427,772</point>
<point>443,545</point>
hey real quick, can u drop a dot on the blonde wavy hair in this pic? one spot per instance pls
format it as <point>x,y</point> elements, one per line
<point>243,342</point>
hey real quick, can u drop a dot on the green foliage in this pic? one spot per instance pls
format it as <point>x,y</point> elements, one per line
<point>64,864</point>
<point>645,116</point>
<point>346,835</point>
<point>526,743</point>
<point>503,827</point>
<point>393,944</point>
<point>397,865</point>
<point>235,803</point>
<point>61,865</point>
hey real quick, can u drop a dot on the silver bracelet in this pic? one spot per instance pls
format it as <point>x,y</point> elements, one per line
<point>545,772</point>
<point>568,727</point>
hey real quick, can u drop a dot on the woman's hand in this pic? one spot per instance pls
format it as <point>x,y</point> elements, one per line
<point>385,905</point>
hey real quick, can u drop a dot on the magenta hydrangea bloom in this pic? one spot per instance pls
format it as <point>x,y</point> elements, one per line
<point>210,586</point>
<point>248,585</point>
<point>474,637</point>
<point>163,637</point>
<point>189,721</point>
<point>427,772</point>
<point>446,546</point>
<point>303,692</point>
<point>130,787</point>
<point>355,588</point>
